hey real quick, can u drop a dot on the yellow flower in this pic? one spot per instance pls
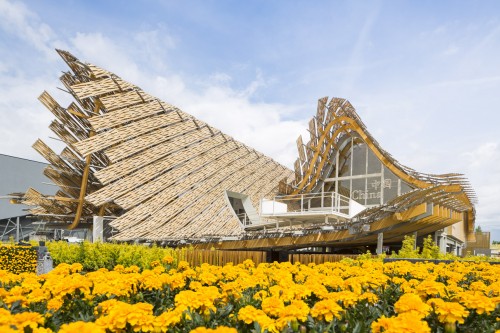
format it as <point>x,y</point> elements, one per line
<point>167,260</point>
<point>76,267</point>
<point>249,314</point>
<point>480,303</point>
<point>202,300</point>
<point>412,304</point>
<point>8,329</point>
<point>27,319</point>
<point>327,310</point>
<point>167,319</point>
<point>81,327</point>
<point>220,329</point>
<point>273,306</point>
<point>402,323</point>
<point>430,287</point>
<point>119,268</point>
<point>54,304</point>
<point>41,330</point>
<point>451,312</point>
<point>369,296</point>
<point>293,313</point>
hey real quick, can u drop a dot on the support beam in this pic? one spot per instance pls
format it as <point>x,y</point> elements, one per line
<point>17,229</point>
<point>380,242</point>
<point>85,176</point>
<point>98,229</point>
<point>442,242</point>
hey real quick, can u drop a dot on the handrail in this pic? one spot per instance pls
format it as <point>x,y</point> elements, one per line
<point>310,203</point>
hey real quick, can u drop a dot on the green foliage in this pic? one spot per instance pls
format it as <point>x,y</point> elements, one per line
<point>408,249</point>
<point>430,250</point>
<point>107,255</point>
<point>365,256</point>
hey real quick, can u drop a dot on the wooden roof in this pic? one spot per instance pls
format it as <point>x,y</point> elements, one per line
<point>161,171</point>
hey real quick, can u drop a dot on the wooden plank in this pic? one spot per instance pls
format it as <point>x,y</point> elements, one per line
<point>115,135</point>
<point>121,100</point>
<point>127,114</point>
<point>198,203</point>
<point>188,174</point>
<point>122,168</point>
<point>191,199</point>
<point>101,87</point>
<point>147,173</point>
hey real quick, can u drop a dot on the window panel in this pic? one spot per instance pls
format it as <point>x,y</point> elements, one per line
<point>359,160</point>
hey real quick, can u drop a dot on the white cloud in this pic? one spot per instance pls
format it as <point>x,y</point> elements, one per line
<point>258,124</point>
<point>100,50</point>
<point>18,20</point>
<point>485,154</point>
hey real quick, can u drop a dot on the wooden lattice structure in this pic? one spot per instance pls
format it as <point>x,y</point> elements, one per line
<point>160,171</point>
<point>164,175</point>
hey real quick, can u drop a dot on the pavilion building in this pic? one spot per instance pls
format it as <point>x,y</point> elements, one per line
<point>161,175</point>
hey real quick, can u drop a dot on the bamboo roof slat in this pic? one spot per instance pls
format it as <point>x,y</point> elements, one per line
<point>123,116</point>
<point>160,204</point>
<point>205,223</point>
<point>69,122</point>
<point>121,100</point>
<point>100,87</point>
<point>98,72</point>
<point>107,139</point>
<point>47,153</point>
<point>163,213</point>
<point>176,186</point>
<point>124,167</point>
<point>182,220</point>
<point>144,175</point>
<point>201,165</point>
<point>133,146</point>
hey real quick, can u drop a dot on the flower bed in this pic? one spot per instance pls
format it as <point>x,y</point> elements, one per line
<point>18,259</point>
<point>348,296</point>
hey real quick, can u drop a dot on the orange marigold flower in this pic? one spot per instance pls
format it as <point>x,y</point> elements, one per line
<point>480,303</point>
<point>451,312</point>
<point>402,323</point>
<point>27,319</point>
<point>412,304</point>
<point>220,329</point>
<point>167,260</point>
<point>81,327</point>
<point>273,306</point>
<point>326,309</point>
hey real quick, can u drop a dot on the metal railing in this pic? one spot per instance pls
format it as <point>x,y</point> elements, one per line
<point>306,204</point>
<point>243,217</point>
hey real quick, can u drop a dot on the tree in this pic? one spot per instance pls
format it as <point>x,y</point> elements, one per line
<point>478,228</point>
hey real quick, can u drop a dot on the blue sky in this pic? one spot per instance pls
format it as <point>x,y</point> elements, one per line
<point>423,75</point>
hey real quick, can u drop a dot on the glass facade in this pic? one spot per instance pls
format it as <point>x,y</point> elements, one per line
<point>362,177</point>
